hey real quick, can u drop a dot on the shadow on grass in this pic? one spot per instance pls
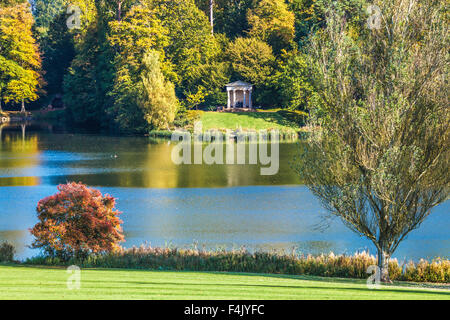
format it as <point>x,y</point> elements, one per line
<point>282,118</point>
<point>264,286</point>
<point>397,284</point>
<point>411,287</point>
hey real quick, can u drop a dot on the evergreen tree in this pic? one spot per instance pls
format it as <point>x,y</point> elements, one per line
<point>90,77</point>
<point>58,53</point>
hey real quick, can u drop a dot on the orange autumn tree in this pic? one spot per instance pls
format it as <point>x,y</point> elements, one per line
<point>76,222</point>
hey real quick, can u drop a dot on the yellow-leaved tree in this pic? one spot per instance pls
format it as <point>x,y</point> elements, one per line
<point>20,61</point>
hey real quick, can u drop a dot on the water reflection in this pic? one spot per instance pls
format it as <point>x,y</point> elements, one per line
<point>120,162</point>
<point>18,152</point>
<point>217,206</point>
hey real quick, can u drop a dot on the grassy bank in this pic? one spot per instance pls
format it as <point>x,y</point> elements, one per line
<point>19,282</point>
<point>283,121</point>
<point>289,123</point>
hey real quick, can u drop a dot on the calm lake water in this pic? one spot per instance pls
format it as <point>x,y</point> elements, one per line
<point>165,204</point>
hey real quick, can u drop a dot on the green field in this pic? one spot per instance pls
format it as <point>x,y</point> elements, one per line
<point>247,120</point>
<point>19,282</point>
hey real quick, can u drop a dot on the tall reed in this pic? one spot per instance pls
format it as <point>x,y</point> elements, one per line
<point>325,265</point>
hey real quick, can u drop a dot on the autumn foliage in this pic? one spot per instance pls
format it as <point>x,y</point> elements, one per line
<point>76,222</point>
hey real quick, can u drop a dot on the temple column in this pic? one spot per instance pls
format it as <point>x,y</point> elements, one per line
<point>229,99</point>
<point>244,103</point>
<point>250,105</point>
<point>234,98</point>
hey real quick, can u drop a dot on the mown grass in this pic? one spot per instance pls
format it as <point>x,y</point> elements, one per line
<point>25,282</point>
<point>248,121</point>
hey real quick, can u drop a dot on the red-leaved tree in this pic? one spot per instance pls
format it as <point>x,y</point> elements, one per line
<point>76,222</point>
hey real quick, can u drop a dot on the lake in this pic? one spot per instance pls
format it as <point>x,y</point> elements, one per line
<point>163,204</point>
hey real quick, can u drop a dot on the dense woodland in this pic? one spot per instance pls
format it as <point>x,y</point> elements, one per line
<point>139,65</point>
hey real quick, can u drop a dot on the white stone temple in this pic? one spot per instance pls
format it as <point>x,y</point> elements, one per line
<point>239,95</point>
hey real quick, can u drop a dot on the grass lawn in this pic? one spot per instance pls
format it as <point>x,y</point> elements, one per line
<point>19,282</point>
<point>247,120</point>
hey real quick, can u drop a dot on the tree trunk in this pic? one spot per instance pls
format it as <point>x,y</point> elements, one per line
<point>211,15</point>
<point>23,107</point>
<point>383,264</point>
<point>119,11</point>
<point>1,110</point>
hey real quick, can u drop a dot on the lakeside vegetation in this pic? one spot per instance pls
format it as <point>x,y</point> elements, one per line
<point>20,282</point>
<point>378,97</point>
<point>284,121</point>
<point>329,265</point>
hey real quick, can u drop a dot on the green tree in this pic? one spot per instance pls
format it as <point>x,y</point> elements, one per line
<point>230,17</point>
<point>89,79</point>
<point>191,49</point>
<point>58,52</point>
<point>378,155</point>
<point>156,95</point>
<point>81,83</point>
<point>252,60</point>
<point>147,101</point>
<point>193,100</point>
<point>294,82</point>
<point>310,15</point>
<point>20,61</point>
<point>44,12</point>
<point>272,22</point>
<point>138,32</point>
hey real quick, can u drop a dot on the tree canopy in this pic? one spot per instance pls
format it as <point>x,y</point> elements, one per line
<point>20,61</point>
<point>378,155</point>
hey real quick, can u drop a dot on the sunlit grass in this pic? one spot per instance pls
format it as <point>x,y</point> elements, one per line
<point>18,282</point>
<point>247,120</point>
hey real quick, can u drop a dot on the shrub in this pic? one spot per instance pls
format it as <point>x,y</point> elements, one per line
<point>76,222</point>
<point>193,116</point>
<point>7,252</point>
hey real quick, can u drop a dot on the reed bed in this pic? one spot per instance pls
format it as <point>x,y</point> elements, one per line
<point>325,265</point>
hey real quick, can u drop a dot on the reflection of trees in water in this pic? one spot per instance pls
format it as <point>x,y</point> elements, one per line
<point>238,175</point>
<point>18,150</point>
<point>142,163</point>
<point>125,161</point>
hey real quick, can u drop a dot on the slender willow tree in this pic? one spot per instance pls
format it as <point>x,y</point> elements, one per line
<point>378,156</point>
